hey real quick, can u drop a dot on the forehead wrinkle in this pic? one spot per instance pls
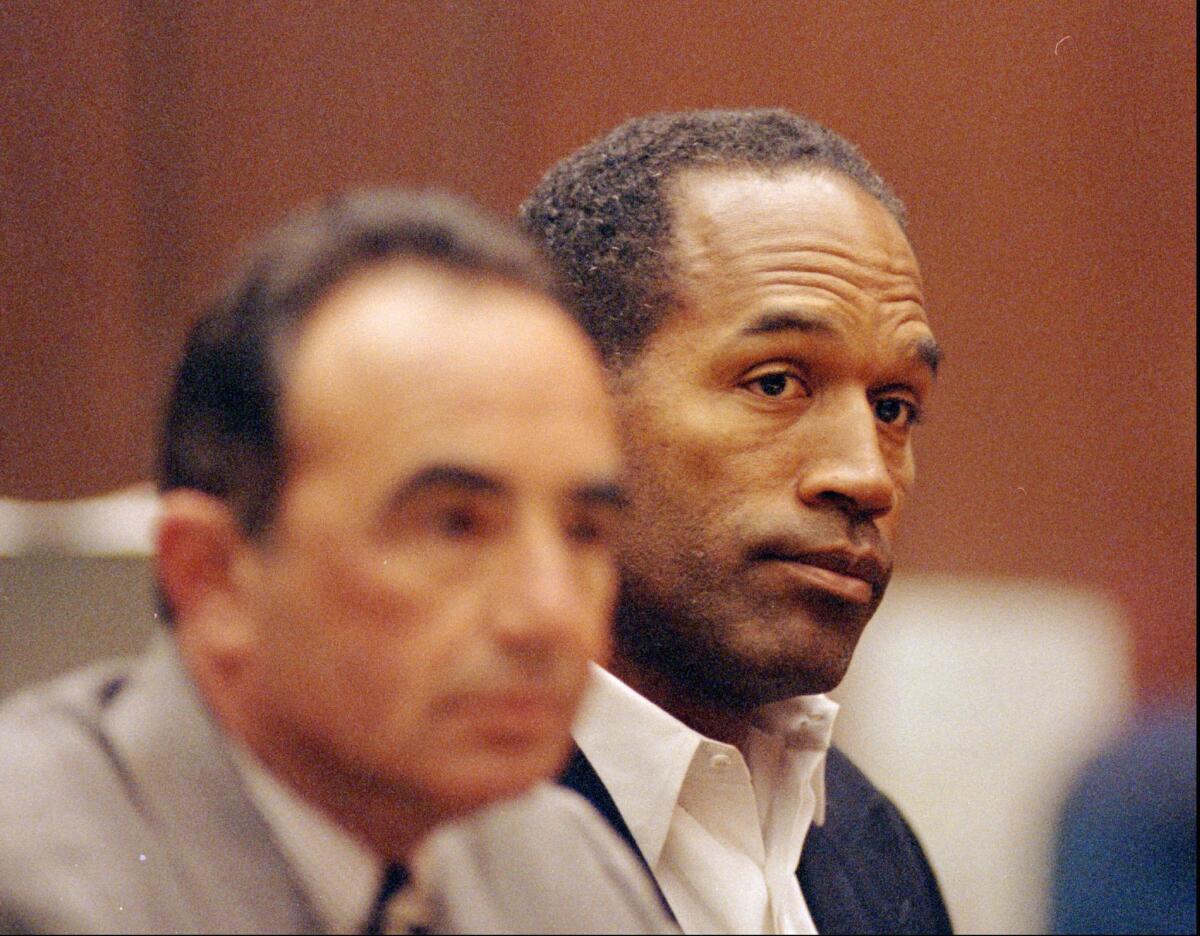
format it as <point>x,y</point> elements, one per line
<point>876,273</point>
<point>769,263</point>
<point>825,293</point>
<point>820,323</point>
<point>841,289</point>
<point>702,240</point>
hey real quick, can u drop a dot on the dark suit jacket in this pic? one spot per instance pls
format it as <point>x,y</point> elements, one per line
<point>863,871</point>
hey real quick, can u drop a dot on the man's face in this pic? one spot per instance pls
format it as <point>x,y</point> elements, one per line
<point>768,434</point>
<point>438,572</point>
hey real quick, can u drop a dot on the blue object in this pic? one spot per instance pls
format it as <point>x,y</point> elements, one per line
<point>1126,859</point>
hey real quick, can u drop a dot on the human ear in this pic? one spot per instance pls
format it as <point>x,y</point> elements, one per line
<point>199,551</point>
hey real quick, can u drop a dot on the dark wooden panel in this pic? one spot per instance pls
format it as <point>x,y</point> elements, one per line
<point>73,411</point>
<point>1047,153</point>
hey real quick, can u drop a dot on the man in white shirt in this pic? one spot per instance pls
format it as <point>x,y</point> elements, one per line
<point>747,278</point>
<point>389,484</point>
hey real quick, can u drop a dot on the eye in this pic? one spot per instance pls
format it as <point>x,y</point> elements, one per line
<point>593,526</point>
<point>897,411</point>
<point>586,531</point>
<point>457,522</point>
<point>778,383</point>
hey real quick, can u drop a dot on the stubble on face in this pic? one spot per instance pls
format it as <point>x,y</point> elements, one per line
<point>691,606</point>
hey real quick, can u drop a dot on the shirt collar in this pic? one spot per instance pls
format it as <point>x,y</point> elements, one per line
<point>653,742</point>
<point>339,874</point>
<point>803,723</point>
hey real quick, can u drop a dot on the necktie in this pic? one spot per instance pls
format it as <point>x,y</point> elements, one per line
<point>400,907</point>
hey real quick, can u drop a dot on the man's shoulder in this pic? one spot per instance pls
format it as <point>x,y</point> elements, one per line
<point>864,869</point>
<point>550,823</point>
<point>543,803</point>
<point>52,742</point>
<point>850,796</point>
<point>544,861</point>
<point>121,811</point>
<point>68,824</point>
<point>860,815</point>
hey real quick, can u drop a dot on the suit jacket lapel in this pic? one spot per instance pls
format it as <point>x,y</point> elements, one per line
<point>852,877</point>
<point>830,888</point>
<point>180,772</point>
<point>580,776</point>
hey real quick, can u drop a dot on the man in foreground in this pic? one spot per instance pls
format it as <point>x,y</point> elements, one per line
<point>389,482</point>
<point>747,279</point>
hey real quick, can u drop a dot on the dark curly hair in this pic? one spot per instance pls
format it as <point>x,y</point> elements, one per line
<point>602,214</point>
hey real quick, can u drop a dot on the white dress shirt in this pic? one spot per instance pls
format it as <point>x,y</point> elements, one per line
<point>722,833</point>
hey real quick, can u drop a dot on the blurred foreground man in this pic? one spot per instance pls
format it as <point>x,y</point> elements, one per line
<point>747,278</point>
<point>389,485</point>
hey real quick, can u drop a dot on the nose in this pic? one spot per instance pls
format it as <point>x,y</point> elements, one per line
<point>843,463</point>
<point>543,599</point>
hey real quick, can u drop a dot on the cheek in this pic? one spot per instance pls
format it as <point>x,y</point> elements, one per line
<point>351,622</point>
<point>674,463</point>
<point>687,481</point>
<point>363,586</point>
<point>904,475</point>
<point>383,694</point>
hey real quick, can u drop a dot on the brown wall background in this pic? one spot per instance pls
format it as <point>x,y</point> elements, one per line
<point>1047,152</point>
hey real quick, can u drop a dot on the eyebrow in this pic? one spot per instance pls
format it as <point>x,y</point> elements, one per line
<point>928,352</point>
<point>450,477</point>
<point>774,322</point>
<point>453,477</point>
<point>602,493</point>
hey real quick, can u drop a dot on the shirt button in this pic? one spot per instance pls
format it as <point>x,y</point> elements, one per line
<point>720,761</point>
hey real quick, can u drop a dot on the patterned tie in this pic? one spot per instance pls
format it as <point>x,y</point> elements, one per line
<point>400,907</point>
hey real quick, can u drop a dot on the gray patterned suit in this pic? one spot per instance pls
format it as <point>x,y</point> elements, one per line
<point>121,811</point>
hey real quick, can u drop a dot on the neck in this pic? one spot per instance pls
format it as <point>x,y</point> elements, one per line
<point>388,820</point>
<point>390,825</point>
<point>717,720</point>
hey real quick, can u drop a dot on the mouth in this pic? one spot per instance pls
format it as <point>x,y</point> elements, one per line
<point>518,710</point>
<point>855,576</point>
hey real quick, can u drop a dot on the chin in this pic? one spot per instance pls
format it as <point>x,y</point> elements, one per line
<point>815,646</point>
<point>757,686</point>
<point>750,676</point>
<point>821,668</point>
<point>493,776</point>
<point>816,680</point>
<point>740,649</point>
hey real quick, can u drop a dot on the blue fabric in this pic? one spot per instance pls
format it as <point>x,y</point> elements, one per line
<point>1126,858</point>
